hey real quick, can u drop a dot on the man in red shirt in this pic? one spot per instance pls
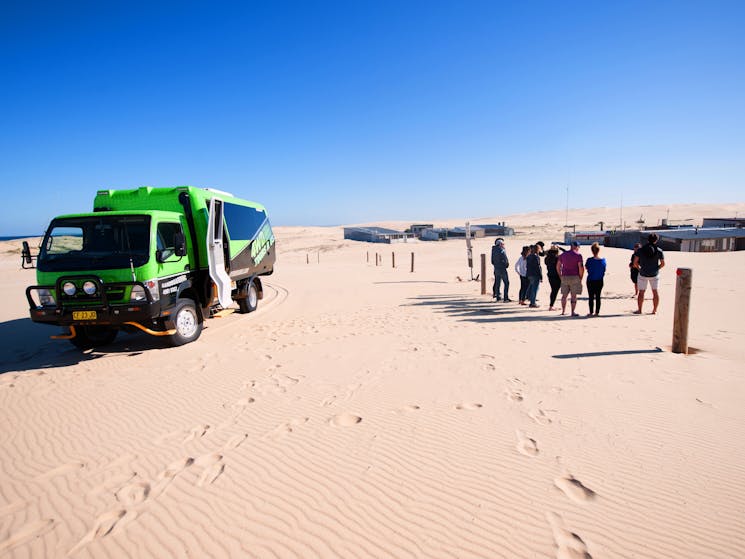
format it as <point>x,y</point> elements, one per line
<point>571,270</point>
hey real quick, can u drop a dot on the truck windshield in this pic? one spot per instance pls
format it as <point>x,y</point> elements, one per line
<point>95,243</point>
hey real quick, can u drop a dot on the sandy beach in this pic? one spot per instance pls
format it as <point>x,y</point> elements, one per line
<point>371,411</point>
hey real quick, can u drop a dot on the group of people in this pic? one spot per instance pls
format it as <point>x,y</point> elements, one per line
<point>565,270</point>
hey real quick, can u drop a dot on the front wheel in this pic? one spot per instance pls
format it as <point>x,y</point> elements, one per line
<point>88,337</point>
<point>187,323</point>
<point>251,300</point>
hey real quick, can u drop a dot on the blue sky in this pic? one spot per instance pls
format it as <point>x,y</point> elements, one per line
<point>344,112</point>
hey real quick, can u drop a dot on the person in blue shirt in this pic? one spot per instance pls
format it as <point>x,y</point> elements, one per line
<point>595,267</point>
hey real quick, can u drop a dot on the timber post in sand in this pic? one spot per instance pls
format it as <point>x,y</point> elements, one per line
<point>412,262</point>
<point>682,306</point>
<point>307,258</point>
<point>368,257</point>
<point>483,273</point>
<point>393,260</point>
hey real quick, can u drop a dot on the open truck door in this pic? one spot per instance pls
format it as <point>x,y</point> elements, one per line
<point>216,253</point>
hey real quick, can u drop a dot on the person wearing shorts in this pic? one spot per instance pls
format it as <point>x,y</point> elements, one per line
<point>570,269</point>
<point>649,260</point>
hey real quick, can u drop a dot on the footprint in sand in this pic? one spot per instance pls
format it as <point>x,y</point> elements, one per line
<point>62,470</point>
<point>513,395</point>
<point>176,468</point>
<point>26,532</point>
<point>526,445</point>
<point>328,400</point>
<point>345,420</point>
<point>103,526</point>
<point>235,441</point>
<point>574,489</point>
<point>116,480</point>
<point>409,408</point>
<point>468,406</point>
<point>165,477</point>
<point>569,544</point>
<point>134,493</point>
<point>287,427</point>
<point>243,402</point>
<point>197,433</point>
<point>213,465</point>
<point>539,417</point>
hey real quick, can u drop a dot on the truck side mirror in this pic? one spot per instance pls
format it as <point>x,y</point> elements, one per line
<point>179,244</point>
<point>27,259</point>
<point>26,253</point>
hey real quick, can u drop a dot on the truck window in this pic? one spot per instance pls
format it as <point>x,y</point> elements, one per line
<point>64,239</point>
<point>166,234</point>
<point>95,243</point>
<point>243,222</point>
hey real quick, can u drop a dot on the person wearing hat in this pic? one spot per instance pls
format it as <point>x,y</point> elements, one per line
<point>500,262</point>
<point>571,270</point>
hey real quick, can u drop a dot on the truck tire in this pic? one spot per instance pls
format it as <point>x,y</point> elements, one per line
<point>186,321</point>
<point>251,300</point>
<point>88,337</point>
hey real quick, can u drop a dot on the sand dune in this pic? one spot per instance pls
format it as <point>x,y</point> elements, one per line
<point>368,411</point>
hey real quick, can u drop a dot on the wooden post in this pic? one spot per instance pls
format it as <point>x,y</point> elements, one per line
<point>682,306</point>
<point>368,257</point>
<point>483,273</point>
<point>307,258</point>
<point>376,258</point>
<point>412,262</point>
<point>393,260</point>
<point>318,257</point>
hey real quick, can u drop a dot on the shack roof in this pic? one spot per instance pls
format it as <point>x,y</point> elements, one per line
<point>701,233</point>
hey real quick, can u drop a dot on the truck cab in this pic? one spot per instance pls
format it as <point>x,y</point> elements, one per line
<point>156,260</point>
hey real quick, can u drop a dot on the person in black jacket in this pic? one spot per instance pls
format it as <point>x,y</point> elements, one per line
<point>534,273</point>
<point>500,262</point>
<point>552,255</point>
<point>634,271</point>
<point>649,260</point>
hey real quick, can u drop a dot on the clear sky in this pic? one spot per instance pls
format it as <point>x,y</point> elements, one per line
<point>356,111</point>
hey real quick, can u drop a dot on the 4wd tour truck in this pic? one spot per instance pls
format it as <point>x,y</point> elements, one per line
<point>160,260</point>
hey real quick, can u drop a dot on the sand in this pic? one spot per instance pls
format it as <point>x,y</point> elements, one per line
<point>368,411</point>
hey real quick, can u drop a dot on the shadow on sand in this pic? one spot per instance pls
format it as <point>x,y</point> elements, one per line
<point>480,310</point>
<point>27,346</point>
<point>606,353</point>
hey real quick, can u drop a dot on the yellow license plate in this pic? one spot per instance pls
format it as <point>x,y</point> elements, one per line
<point>84,315</point>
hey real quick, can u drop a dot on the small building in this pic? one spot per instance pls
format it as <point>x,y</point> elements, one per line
<point>434,234</point>
<point>701,239</point>
<point>417,228</point>
<point>375,235</point>
<point>724,222</point>
<point>585,237</point>
<point>460,232</point>
<point>495,229</point>
<point>624,239</point>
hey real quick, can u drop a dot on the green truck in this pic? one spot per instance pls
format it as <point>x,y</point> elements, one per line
<point>159,260</point>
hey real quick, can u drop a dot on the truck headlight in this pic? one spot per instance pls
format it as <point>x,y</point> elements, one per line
<point>152,287</point>
<point>69,288</point>
<point>46,299</point>
<point>89,288</point>
<point>138,294</point>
